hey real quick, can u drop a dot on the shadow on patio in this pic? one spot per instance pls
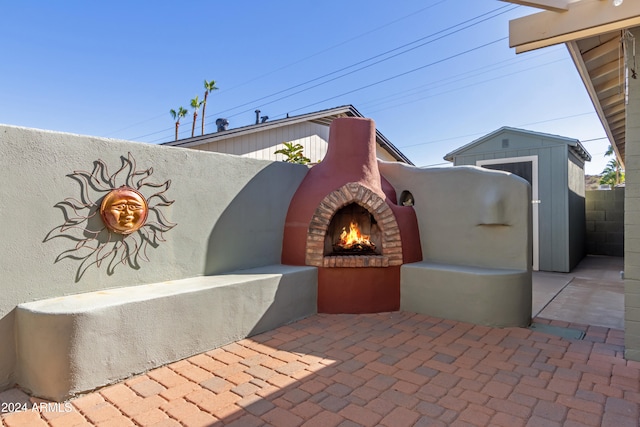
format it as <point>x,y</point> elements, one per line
<point>392,369</point>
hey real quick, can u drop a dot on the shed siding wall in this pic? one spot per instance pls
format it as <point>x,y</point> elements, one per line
<point>557,183</point>
<point>577,211</point>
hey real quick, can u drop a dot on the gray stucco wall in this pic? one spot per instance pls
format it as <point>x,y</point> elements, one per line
<point>468,215</point>
<point>229,213</point>
<point>605,222</point>
<point>475,235</point>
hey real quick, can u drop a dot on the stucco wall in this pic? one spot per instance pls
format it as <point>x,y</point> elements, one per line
<point>468,215</point>
<point>229,213</point>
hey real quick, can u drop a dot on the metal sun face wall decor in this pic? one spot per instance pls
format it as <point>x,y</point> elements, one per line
<point>115,218</point>
<point>124,210</point>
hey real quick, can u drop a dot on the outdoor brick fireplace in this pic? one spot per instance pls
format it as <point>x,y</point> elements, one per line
<point>345,220</point>
<point>340,209</point>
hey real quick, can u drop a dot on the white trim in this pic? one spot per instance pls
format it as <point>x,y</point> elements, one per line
<point>585,18</point>
<point>535,201</point>
<point>553,5</point>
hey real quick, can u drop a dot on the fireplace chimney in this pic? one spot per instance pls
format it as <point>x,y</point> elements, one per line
<point>347,186</point>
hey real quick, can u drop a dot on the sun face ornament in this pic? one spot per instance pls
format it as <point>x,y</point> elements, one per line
<point>124,210</point>
<point>115,218</point>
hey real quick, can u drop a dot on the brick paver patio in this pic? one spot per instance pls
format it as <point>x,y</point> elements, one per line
<point>391,369</point>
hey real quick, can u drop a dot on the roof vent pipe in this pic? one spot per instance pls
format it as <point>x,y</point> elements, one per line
<point>264,119</point>
<point>257,116</point>
<point>222,124</point>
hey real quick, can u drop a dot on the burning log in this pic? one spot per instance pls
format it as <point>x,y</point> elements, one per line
<point>353,241</point>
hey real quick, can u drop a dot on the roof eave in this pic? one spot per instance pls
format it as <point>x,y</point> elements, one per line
<point>575,144</point>
<point>257,127</point>
<point>348,110</point>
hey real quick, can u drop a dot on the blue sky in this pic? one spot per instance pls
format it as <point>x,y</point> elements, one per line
<point>433,74</point>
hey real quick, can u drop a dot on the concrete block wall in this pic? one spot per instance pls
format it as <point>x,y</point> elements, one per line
<point>632,221</point>
<point>605,222</point>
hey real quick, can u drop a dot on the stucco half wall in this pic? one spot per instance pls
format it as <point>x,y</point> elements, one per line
<point>229,213</point>
<point>475,233</point>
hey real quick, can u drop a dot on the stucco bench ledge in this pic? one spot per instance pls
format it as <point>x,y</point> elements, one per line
<point>76,343</point>
<point>480,295</point>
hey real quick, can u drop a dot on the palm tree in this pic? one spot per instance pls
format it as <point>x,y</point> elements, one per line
<point>195,104</point>
<point>177,115</point>
<point>612,175</point>
<point>610,152</point>
<point>208,87</point>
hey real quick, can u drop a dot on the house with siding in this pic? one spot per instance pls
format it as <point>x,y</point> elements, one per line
<point>262,139</point>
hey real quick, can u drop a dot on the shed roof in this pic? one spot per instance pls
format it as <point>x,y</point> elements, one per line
<point>572,143</point>
<point>324,117</point>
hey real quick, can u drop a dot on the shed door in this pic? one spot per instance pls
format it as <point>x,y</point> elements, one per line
<point>525,167</point>
<point>522,169</point>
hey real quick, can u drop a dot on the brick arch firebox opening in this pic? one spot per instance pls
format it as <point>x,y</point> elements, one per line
<point>390,241</point>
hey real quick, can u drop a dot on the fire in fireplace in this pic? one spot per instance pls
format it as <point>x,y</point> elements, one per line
<point>352,231</point>
<point>353,241</point>
<point>375,218</point>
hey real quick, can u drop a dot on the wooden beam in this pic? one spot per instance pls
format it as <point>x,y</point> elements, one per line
<point>612,45</point>
<point>584,18</point>
<point>607,70</point>
<point>553,5</point>
<point>612,100</point>
<point>615,109</point>
<point>609,85</point>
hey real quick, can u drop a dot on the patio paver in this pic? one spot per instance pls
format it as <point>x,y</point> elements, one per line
<point>390,369</point>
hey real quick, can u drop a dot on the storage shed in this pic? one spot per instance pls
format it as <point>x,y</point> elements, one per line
<point>554,166</point>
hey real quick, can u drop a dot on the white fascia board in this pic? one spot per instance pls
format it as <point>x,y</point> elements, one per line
<point>584,18</point>
<point>553,5</point>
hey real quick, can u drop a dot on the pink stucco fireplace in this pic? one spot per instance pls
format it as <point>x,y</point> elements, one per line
<point>345,220</point>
